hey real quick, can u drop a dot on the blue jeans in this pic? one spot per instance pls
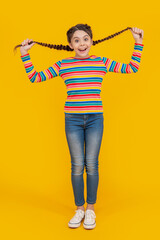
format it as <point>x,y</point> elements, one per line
<point>88,129</point>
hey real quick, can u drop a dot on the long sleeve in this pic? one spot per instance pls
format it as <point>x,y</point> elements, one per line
<point>131,67</point>
<point>36,77</point>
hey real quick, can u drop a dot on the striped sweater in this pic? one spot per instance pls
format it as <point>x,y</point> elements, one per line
<point>83,78</point>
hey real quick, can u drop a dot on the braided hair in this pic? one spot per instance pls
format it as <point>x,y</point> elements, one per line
<point>70,33</point>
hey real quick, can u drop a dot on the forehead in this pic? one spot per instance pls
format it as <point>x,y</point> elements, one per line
<point>79,34</point>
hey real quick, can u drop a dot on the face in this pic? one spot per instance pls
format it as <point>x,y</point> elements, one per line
<point>81,43</point>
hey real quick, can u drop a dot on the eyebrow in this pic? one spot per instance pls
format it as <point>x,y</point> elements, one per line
<point>83,36</point>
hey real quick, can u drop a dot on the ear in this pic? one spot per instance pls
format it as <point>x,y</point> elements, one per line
<point>70,45</point>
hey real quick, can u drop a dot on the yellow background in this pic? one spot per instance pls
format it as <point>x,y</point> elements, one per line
<point>35,170</point>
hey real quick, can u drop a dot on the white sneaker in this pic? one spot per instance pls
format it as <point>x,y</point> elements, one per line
<point>89,221</point>
<point>77,218</point>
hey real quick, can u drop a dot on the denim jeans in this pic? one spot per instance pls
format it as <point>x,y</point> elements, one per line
<point>84,130</point>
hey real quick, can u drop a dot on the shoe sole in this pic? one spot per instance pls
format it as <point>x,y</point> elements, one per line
<point>89,226</point>
<point>74,225</point>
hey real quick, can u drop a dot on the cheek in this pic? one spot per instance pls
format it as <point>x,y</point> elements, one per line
<point>76,46</point>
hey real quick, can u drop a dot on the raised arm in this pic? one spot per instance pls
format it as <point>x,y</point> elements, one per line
<point>131,67</point>
<point>36,77</point>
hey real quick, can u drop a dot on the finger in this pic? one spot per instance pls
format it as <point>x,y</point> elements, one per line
<point>142,33</point>
<point>31,40</point>
<point>134,29</point>
<point>23,43</point>
<point>137,30</point>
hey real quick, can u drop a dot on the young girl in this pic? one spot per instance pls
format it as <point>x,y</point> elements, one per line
<point>83,75</point>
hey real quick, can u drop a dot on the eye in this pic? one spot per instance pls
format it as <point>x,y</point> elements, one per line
<point>86,38</point>
<point>76,40</point>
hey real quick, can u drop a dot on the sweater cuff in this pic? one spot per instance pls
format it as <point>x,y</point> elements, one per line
<point>141,44</point>
<point>25,57</point>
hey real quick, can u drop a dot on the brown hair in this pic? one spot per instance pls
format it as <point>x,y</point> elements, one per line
<point>70,33</point>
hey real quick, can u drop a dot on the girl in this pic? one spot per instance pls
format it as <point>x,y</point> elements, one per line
<point>83,75</point>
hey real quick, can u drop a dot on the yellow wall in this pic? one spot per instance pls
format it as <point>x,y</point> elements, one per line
<point>35,161</point>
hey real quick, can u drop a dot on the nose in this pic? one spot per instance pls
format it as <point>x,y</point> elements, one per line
<point>81,43</point>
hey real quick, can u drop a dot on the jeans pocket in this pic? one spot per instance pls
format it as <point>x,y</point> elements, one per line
<point>98,114</point>
<point>68,115</point>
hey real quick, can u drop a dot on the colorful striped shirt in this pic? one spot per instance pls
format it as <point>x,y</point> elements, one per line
<point>83,78</point>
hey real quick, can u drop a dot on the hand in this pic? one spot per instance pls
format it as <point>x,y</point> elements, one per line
<point>25,47</point>
<point>137,34</point>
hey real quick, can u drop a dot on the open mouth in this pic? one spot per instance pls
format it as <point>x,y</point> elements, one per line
<point>82,50</point>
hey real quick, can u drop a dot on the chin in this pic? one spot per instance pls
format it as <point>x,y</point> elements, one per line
<point>82,54</point>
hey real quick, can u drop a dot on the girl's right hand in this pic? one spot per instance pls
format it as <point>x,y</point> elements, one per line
<point>25,47</point>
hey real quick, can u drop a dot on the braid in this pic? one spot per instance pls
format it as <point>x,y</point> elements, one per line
<point>58,47</point>
<point>70,33</point>
<point>111,36</point>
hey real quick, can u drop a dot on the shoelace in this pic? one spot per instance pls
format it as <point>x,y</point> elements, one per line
<point>89,215</point>
<point>79,214</point>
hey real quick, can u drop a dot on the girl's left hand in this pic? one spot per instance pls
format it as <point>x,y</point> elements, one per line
<point>137,34</point>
